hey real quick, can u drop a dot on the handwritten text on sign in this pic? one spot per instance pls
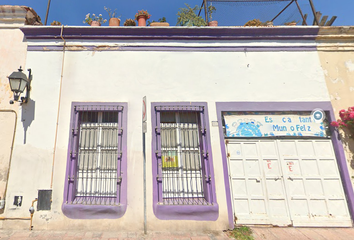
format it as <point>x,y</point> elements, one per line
<point>266,124</point>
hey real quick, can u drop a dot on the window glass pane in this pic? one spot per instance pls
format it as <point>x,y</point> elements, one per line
<point>188,117</point>
<point>109,117</point>
<point>168,117</point>
<point>88,136</point>
<point>88,117</point>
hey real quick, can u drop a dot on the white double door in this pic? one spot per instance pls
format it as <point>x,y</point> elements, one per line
<point>286,182</point>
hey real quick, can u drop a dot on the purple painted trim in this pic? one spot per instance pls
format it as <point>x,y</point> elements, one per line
<point>172,33</point>
<point>187,212</point>
<point>183,212</point>
<point>284,106</point>
<point>175,48</point>
<point>79,211</point>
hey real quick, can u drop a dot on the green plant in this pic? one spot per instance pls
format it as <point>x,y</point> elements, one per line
<point>111,14</point>
<point>254,22</point>
<point>188,17</point>
<point>89,18</point>
<point>163,19</point>
<point>56,23</point>
<point>241,233</point>
<point>129,22</point>
<point>211,10</point>
<point>142,13</point>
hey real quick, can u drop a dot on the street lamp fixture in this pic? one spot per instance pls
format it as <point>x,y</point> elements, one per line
<point>18,83</point>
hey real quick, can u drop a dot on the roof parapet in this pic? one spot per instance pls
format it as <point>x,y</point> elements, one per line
<point>17,16</point>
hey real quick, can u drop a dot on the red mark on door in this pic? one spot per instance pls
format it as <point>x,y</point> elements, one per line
<point>269,164</point>
<point>290,166</point>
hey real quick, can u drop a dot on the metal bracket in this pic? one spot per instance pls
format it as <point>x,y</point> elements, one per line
<point>119,180</point>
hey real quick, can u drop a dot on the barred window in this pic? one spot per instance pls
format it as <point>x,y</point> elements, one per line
<point>183,166</point>
<point>95,162</point>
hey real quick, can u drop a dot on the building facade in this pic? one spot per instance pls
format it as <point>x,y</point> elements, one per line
<point>185,124</point>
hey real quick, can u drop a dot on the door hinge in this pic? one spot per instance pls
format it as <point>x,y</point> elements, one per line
<point>226,141</point>
<point>228,155</point>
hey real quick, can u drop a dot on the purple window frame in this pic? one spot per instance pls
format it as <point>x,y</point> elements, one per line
<point>284,106</point>
<point>209,212</point>
<point>81,211</point>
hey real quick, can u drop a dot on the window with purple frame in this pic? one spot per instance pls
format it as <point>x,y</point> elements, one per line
<point>96,164</point>
<point>182,162</point>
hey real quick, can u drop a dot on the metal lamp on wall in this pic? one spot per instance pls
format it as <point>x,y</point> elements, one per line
<point>18,83</point>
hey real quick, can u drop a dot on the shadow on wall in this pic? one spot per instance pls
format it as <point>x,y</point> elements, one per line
<point>27,116</point>
<point>348,141</point>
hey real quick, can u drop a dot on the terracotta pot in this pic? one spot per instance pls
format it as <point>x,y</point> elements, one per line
<point>114,22</point>
<point>159,24</point>
<point>142,20</point>
<point>292,24</point>
<point>213,24</point>
<point>95,23</point>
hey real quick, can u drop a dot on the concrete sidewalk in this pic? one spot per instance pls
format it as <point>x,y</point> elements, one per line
<point>259,233</point>
<point>292,233</point>
<point>86,235</point>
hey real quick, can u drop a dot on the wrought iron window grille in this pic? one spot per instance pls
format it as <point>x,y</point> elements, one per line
<point>183,168</point>
<point>95,155</point>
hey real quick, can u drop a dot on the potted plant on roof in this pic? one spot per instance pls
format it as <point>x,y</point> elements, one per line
<point>141,17</point>
<point>292,23</point>
<point>188,17</point>
<point>253,23</point>
<point>211,23</point>
<point>56,23</point>
<point>161,23</point>
<point>129,22</point>
<point>94,20</point>
<point>113,20</point>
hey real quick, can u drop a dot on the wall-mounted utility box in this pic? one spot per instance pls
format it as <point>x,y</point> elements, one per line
<point>44,200</point>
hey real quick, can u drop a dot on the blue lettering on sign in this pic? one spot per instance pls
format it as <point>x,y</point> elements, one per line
<point>268,119</point>
<point>301,128</point>
<point>305,119</point>
<point>279,128</point>
<point>284,119</point>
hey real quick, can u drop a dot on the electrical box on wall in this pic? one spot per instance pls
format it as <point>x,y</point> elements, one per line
<point>44,200</point>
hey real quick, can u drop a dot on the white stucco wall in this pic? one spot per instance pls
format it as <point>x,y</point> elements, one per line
<point>12,55</point>
<point>127,76</point>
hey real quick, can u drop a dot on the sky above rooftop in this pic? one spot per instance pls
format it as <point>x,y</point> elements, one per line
<point>72,12</point>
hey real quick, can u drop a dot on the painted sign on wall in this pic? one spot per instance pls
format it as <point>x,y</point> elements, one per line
<point>271,124</point>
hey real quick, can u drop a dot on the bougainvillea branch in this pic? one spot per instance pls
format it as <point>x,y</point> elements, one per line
<point>346,120</point>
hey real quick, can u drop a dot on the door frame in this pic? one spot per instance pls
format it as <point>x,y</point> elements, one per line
<point>284,106</point>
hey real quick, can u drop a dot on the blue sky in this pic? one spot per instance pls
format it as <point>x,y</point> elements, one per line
<point>72,12</point>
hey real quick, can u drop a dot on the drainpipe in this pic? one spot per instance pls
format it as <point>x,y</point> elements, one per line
<point>2,201</point>
<point>59,102</point>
